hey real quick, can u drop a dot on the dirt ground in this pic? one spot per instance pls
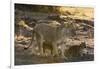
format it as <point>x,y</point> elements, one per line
<point>24,57</point>
<point>84,20</point>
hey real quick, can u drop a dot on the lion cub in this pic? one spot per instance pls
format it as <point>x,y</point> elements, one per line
<point>76,51</point>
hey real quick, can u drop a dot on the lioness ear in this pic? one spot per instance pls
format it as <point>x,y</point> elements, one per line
<point>21,23</point>
<point>54,24</point>
<point>58,24</point>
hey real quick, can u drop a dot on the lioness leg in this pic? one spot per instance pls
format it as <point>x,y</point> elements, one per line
<point>55,49</point>
<point>39,40</point>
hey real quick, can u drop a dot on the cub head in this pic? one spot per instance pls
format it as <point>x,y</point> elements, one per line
<point>83,50</point>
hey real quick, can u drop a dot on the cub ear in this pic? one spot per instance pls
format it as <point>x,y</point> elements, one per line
<point>83,44</point>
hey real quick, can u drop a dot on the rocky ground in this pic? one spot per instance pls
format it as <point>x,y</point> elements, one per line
<point>25,57</point>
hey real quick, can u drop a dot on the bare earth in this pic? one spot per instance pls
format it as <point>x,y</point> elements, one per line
<point>24,57</point>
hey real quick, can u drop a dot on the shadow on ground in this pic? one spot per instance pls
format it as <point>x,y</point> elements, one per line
<point>23,57</point>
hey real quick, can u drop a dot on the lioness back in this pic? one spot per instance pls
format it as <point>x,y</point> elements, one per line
<point>48,33</point>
